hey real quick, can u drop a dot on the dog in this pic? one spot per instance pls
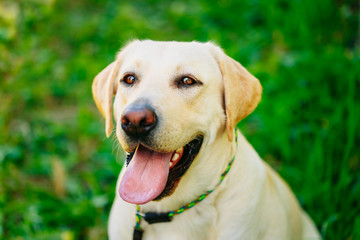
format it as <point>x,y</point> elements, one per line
<point>176,106</point>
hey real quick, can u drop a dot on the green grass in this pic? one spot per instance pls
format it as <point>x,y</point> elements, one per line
<point>57,169</point>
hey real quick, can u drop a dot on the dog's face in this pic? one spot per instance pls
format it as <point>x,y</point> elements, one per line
<point>171,100</point>
<point>174,80</point>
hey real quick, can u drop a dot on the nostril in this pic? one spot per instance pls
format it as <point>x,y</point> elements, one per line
<point>143,123</point>
<point>125,121</point>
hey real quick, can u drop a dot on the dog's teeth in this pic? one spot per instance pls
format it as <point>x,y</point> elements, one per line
<point>175,157</point>
<point>171,163</point>
<point>179,150</point>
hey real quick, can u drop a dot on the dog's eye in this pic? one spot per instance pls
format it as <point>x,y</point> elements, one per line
<point>187,81</point>
<point>129,79</point>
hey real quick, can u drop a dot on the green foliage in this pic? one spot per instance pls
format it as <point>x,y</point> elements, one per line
<point>57,170</point>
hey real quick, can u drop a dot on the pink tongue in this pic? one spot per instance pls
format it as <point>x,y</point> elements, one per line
<point>145,177</point>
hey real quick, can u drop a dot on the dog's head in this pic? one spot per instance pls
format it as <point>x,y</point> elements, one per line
<point>171,98</point>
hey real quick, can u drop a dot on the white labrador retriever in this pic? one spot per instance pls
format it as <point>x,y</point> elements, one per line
<point>176,106</point>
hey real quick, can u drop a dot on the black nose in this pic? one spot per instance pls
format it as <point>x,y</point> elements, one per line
<point>138,121</point>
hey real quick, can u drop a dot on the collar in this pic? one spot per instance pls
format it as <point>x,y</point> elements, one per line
<point>153,217</point>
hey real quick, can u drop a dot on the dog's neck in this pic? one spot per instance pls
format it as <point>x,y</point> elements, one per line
<point>217,153</point>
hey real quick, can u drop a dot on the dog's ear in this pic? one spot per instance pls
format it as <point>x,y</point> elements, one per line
<point>103,91</point>
<point>104,87</point>
<point>242,91</point>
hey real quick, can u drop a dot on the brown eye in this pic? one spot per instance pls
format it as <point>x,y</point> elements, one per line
<point>129,79</point>
<point>187,81</point>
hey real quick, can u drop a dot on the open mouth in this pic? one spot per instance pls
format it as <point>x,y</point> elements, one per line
<point>152,175</point>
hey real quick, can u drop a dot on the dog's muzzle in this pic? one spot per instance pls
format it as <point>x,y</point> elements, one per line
<point>151,173</point>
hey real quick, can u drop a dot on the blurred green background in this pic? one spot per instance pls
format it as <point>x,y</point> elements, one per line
<point>57,169</point>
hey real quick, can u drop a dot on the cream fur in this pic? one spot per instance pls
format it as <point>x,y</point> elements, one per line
<point>253,202</point>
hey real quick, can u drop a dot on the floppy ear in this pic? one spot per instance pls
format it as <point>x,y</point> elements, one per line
<point>241,89</point>
<point>103,92</point>
<point>103,88</point>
